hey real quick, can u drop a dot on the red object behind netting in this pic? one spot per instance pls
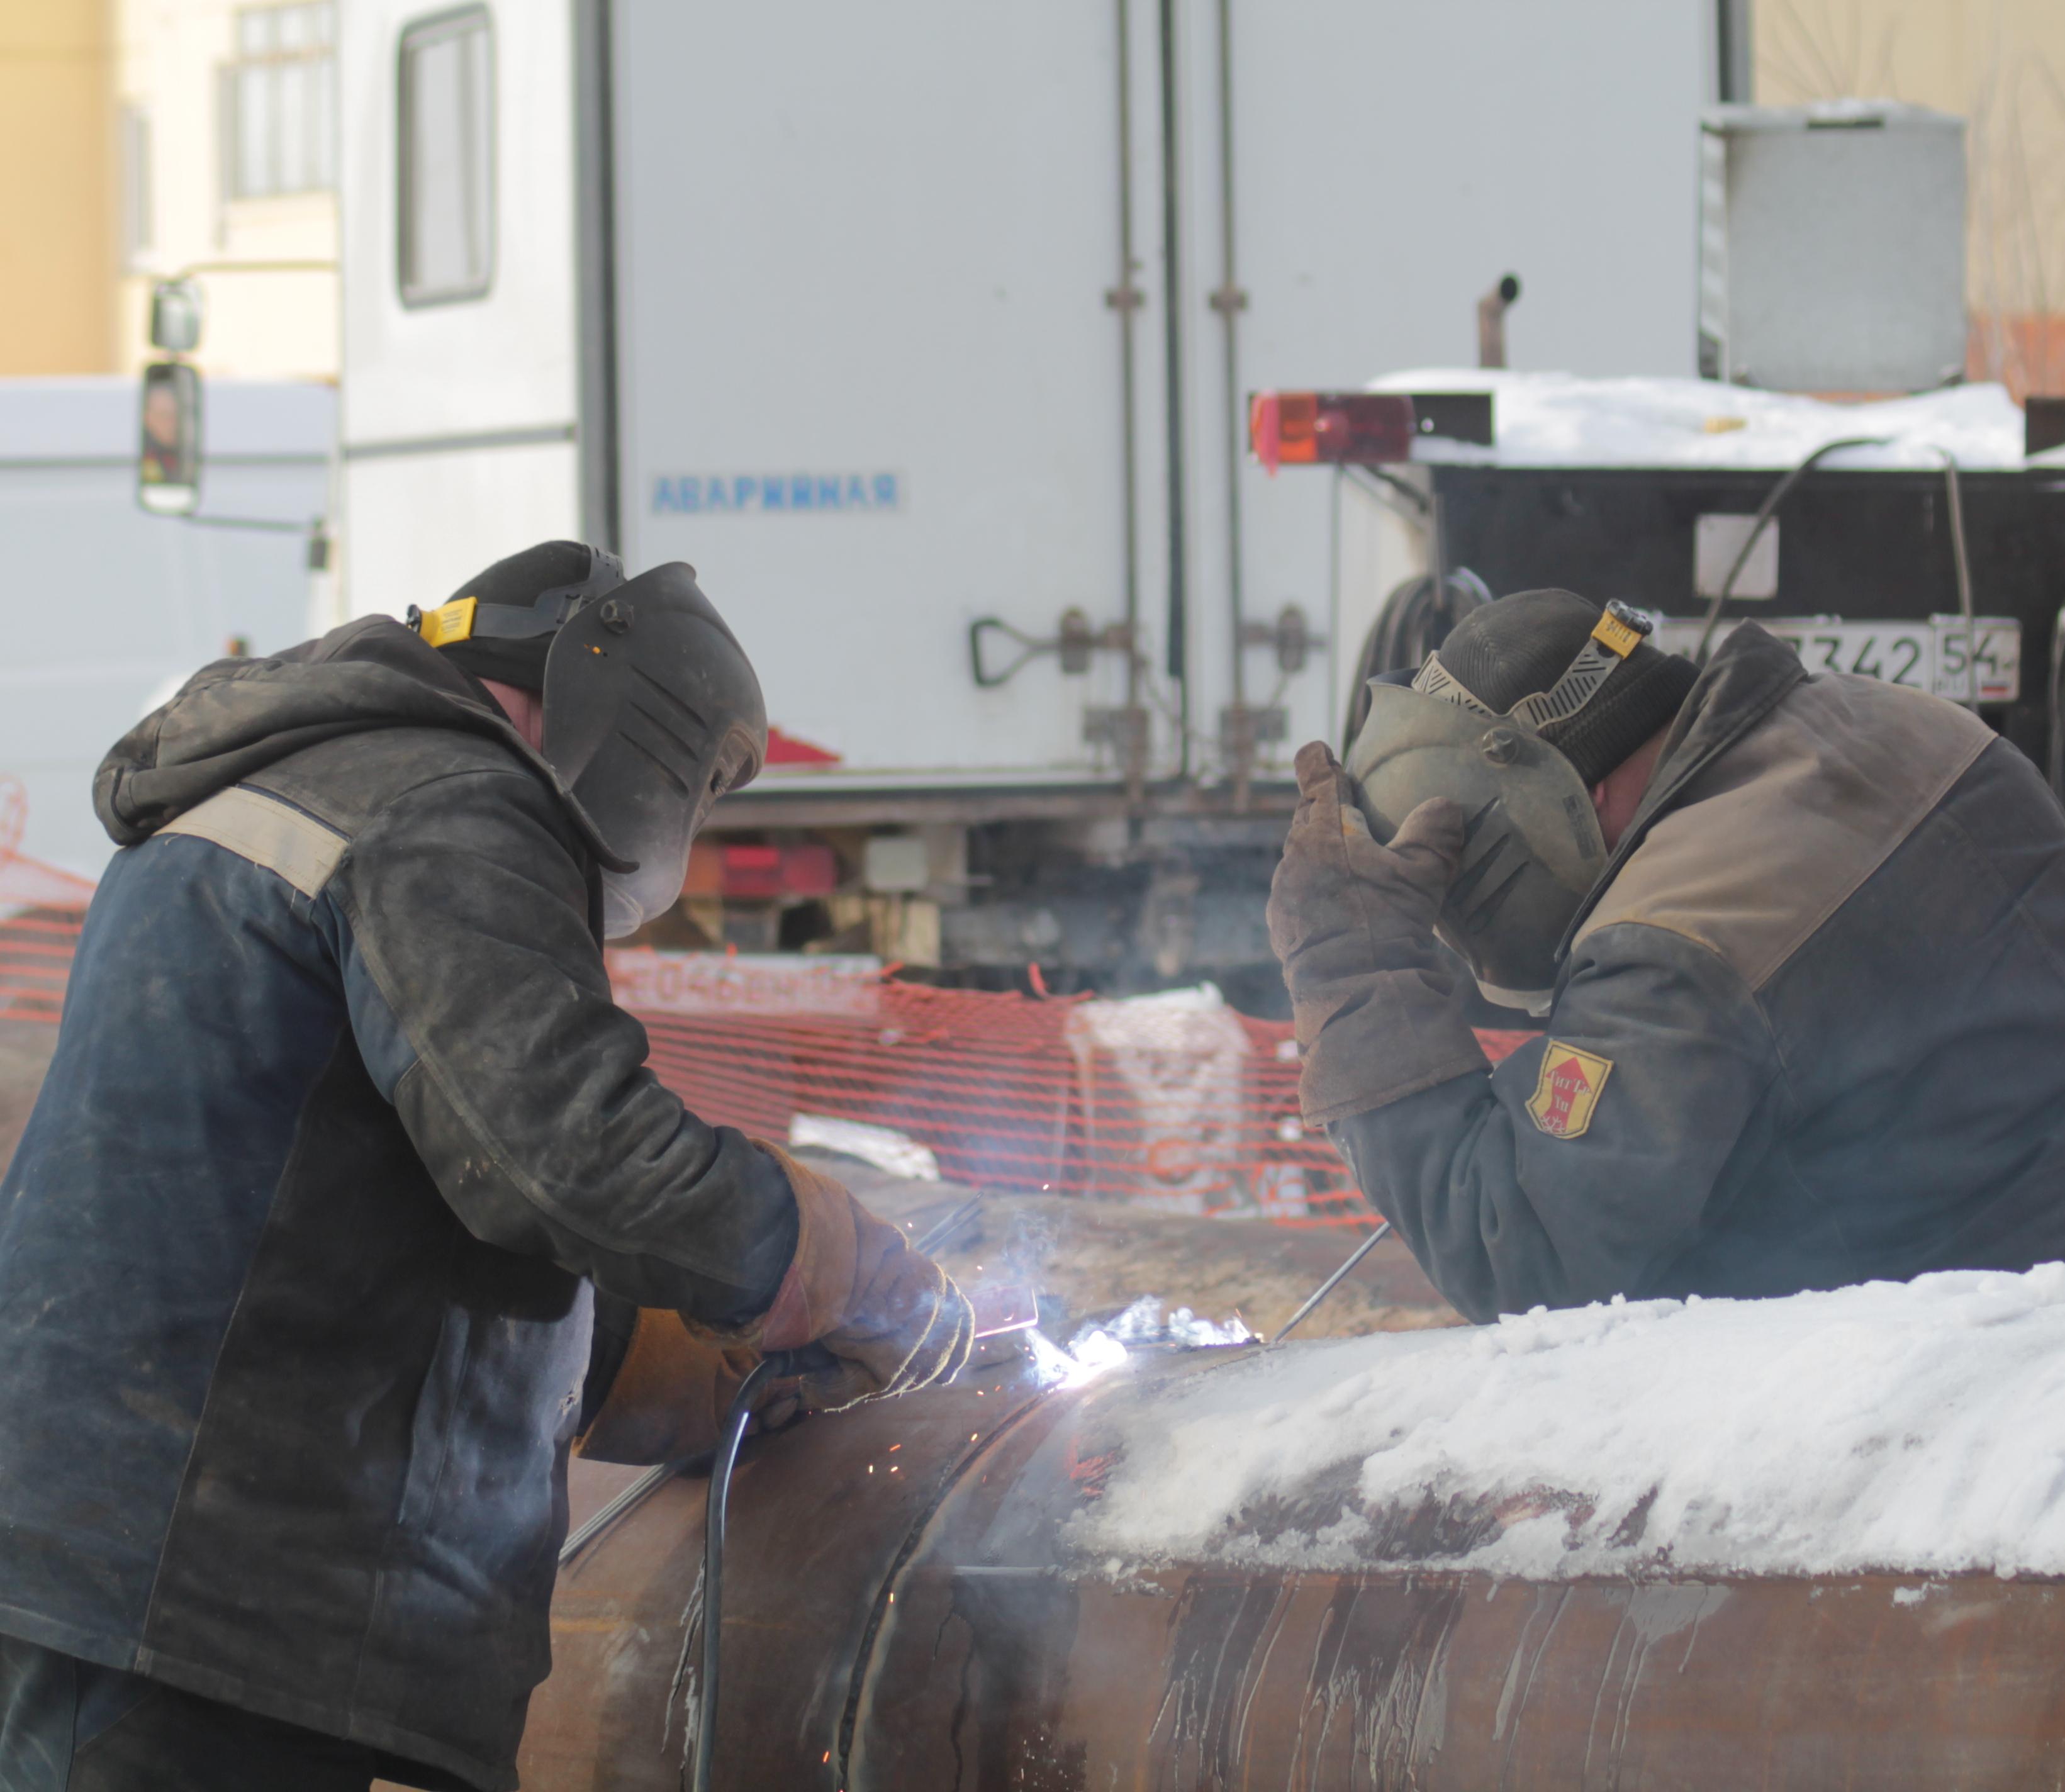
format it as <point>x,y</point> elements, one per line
<point>1176,1104</point>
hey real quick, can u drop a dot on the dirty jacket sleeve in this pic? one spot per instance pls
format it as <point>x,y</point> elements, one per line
<point>1504,1215</point>
<point>481,1005</point>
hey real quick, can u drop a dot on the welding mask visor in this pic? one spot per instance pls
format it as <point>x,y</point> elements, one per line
<point>651,713</point>
<point>1531,846</point>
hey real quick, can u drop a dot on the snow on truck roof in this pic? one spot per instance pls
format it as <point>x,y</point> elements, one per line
<point>1560,420</point>
<point>1913,1428</point>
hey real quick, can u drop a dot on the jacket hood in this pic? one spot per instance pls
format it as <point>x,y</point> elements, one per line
<point>1748,675</point>
<point>235,718</point>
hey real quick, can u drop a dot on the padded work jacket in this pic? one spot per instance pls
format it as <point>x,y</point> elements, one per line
<point>1809,1027</point>
<point>295,1253</point>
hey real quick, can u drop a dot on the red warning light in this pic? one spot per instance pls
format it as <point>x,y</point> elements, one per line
<point>1365,429</point>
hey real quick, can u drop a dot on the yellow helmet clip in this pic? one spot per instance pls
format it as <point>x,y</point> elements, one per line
<point>448,622</point>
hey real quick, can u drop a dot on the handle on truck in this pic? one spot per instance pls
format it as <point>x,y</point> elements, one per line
<point>1028,649</point>
<point>1079,638</point>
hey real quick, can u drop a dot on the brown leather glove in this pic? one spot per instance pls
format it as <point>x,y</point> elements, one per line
<point>1352,922</point>
<point>895,1320</point>
<point>672,1392</point>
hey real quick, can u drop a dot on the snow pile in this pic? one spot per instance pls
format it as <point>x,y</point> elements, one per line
<point>1915,1428</point>
<point>883,1147</point>
<point>1559,420</point>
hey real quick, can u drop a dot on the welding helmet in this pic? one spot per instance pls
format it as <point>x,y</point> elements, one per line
<point>1515,720</point>
<point>652,709</point>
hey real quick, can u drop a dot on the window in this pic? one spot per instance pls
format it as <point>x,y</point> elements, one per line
<point>280,102</point>
<point>445,114</point>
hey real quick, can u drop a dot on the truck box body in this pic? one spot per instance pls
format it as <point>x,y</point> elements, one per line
<point>830,302</point>
<point>113,607</point>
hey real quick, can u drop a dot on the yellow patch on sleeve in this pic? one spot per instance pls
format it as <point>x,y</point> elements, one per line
<point>1567,1090</point>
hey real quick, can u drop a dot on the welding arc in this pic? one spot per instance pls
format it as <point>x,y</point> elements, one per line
<point>1333,1281</point>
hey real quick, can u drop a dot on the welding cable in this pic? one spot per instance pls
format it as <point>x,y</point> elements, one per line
<point>776,1365</point>
<point>1961,557</point>
<point>1963,560</point>
<point>713,1522</point>
<point>1765,511</point>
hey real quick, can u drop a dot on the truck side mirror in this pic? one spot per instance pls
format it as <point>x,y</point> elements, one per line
<point>175,316</point>
<point>168,461</point>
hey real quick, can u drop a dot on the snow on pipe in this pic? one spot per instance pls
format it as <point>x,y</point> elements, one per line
<point>1810,1541</point>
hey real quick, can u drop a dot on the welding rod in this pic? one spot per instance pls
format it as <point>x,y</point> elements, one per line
<point>1333,1281</point>
<point>948,1227</point>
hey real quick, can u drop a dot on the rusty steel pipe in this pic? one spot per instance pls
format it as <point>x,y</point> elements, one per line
<point>904,1610</point>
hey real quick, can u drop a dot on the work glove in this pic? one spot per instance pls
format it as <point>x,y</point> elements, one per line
<point>1372,1002</point>
<point>890,1318</point>
<point>672,1392</point>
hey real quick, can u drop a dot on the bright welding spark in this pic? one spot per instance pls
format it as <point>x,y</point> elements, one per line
<point>1092,1356</point>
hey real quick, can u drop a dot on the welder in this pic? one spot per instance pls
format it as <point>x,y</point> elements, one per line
<point>350,1203</point>
<point>1796,942</point>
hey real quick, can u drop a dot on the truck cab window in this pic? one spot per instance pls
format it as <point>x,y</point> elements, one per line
<point>445,163</point>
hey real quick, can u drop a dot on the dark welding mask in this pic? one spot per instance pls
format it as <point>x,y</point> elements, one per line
<point>1531,846</point>
<point>652,712</point>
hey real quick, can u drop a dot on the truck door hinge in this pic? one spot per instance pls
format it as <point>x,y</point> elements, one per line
<point>1290,635</point>
<point>1125,731</point>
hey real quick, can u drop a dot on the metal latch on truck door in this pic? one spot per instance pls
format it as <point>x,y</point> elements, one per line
<point>1076,642</point>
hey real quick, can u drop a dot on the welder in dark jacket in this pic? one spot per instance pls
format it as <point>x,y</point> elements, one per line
<point>300,1252</point>
<point>1799,942</point>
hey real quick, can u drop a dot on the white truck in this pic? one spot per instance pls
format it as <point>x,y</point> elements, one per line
<point>924,329</point>
<point>110,607</point>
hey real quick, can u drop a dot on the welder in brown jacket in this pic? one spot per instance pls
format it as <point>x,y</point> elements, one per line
<point>1798,942</point>
<point>349,1202</point>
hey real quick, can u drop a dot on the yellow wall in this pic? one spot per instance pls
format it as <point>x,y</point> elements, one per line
<point>1999,64</point>
<point>57,227</point>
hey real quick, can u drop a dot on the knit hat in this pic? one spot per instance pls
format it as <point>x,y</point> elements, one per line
<point>519,582</point>
<point>1503,653</point>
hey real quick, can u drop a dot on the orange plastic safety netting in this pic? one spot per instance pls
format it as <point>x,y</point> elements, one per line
<point>41,908</point>
<point>1173,1100</point>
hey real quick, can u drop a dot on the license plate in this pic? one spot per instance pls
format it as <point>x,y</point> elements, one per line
<point>1981,660</point>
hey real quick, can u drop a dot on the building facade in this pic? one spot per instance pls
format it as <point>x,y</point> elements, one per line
<point>225,136</point>
<point>59,196</point>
